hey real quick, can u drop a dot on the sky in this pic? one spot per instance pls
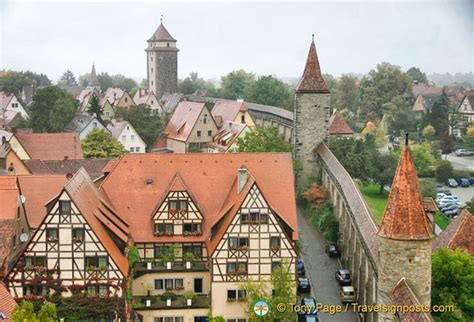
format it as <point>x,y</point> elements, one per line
<point>214,38</point>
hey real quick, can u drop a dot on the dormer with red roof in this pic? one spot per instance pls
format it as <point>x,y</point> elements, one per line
<point>404,237</point>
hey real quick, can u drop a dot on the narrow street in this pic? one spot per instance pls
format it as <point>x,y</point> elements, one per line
<point>320,269</point>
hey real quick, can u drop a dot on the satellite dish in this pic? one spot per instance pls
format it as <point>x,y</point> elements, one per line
<point>24,237</point>
<point>23,199</point>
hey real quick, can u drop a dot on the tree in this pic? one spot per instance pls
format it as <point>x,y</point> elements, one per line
<point>105,81</point>
<point>381,86</point>
<point>452,280</point>
<point>417,75</point>
<point>428,132</point>
<point>68,79</point>
<point>268,90</point>
<point>25,312</point>
<point>236,84</point>
<point>52,109</point>
<point>470,137</point>
<point>400,116</point>
<point>444,171</point>
<point>148,124</point>
<point>13,82</point>
<point>100,144</point>
<point>123,82</point>
<point>192,83</point>
<point>332,84</point>
<point>438,115</point>
<point>84,79</point>
<point>266,139</point>
<point>94,108</point>
<point>383,169</point>
<point>446,143</point>
<point>347,91</point>
<point>470,205</point>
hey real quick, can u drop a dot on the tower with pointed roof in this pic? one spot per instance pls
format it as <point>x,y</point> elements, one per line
<point>404,238</point>
<point>93,82</point>
<point>162,62</point>
<point>311,114</point>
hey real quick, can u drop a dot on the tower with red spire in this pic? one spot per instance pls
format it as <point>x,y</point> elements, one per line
<point>311,114</point>
<point>404,238</point>
<point>162,62</point>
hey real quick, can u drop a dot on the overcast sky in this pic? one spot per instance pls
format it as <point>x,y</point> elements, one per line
<point>216,38</point>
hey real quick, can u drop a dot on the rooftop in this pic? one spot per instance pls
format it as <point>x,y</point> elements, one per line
<point>459,234</point>
<point>51,146</point>
<point>312,80</point>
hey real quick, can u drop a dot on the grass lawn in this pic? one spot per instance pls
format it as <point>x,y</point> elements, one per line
<point>375,201</point>
<point>441,220</point>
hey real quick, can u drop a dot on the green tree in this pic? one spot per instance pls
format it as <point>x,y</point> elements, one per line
<point>470,205</point>
<point>13,82</point>
<point>123,82</point>
<point>105,81</point>
<point>268,90</point>
<point>266,139</point>
<point>100,144</point>
<point>193,83</point>
<point>469,137</point>
<point>94,108</point>
<point>52,109</point>
<point>400,117</point>
<point>332,84</point>
<point>417,75</point>
<point>438,116</point>
<point>446,143</point>
<point>25,312</point>
<point>444,171</point>
<point>84,79</point>
<point>428,132</point>
<point>236,84</point>
<point>68,79</point>
<point>148,124</point>
<point>347,92</point>
<point>452,280</point>
<point>383,169</point>
<point>381,86</point>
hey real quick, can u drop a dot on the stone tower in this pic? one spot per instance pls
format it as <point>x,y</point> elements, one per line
<point>311,114</point>
<point>404,239</point>
<point>162,62</point>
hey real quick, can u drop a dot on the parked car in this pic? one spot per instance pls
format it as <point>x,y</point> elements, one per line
<point>344,277</point>
<point>452,213</point>
<point>464,153</point>
<point>443,204</point>
<point>448,207</point>
<point>442,190</point>
<point>463,182</point>
<point>347,294</point>
<point>301,269</point>
<point>447,199</point>
<point>310,303</point>
<point>451,183</point>
<point>471,181</point>
<point>303,285</point>
<point>333,251</point>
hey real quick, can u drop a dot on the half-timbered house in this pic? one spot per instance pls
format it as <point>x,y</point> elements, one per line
<point>78,245</point>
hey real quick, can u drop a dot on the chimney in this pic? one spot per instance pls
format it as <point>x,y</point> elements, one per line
<point>13,129</point>
<point>66,157</point>
<point>242,176</point>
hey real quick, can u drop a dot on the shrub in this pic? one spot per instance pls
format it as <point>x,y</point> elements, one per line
<point>189,295</point>
<point>168,296</point>
<point>315,195</point>
<point>189,257</point>
<point>324,220</point>
<point>428,189</point>
<point>444,171</point>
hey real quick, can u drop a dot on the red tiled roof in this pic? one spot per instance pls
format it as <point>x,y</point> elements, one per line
<point>51,146</point>
<point>99,214</point>
<point>162,34</point>
<point>312,80</point>
<point>93,166</point>
<point>183,120</point>
<point>426,90</point>
<point>338,125</point>
<point>403,295</point>
<point>8,197</point>
<point>38,190</point>
<point>7,303</point>
<point>459,234</point>
<point>404,217</point>
<point>207,176</point>
<point>228,110</point>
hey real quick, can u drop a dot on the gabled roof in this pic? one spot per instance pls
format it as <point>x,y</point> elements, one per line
<point>207,176</point>
<point>36,198</point>
<point>51,146</point>
<point>99,214</point>
<point>162,34</point>
<point>116,127</point>
<point>470,98</point>
<point>113,95</point>
<point>458,235</point>
<point>403,295</point>
<point>228,110</point>
<point>8,197</point>
<point>80,122</point>
<point>338,125</point>
<point>312,80</point>
<point>142,96</point>
<point>183,120</point>
<point>5,99</point>
<point>94,167</point>
<point>7,303</point>
<point>404,217</point>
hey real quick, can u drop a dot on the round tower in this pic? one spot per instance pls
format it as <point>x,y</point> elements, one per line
<point>162,62</point>
<point>404,239</point>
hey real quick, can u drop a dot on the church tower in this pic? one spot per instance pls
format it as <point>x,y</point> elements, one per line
<point>162,62</point>
<point>93,82</point>
<point>404,239</point>
<point>311,114</point>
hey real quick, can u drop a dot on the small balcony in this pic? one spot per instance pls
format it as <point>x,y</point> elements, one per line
<point>142,268</point>
<point>180,302</point>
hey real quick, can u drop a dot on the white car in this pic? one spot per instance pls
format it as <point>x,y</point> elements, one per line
<point>448,202</point>
<point>446,198</point>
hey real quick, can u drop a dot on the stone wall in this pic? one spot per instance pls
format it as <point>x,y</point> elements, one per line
<point>166,72</point>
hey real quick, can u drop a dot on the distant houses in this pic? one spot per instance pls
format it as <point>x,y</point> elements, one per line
<point>84,124</point>
<point>463,116</point>
<point>11,109</point>
<point>124,132</point>
<point>338,126</point>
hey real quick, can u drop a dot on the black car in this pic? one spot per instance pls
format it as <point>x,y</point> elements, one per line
<point>310,304</point>
<point>333,251</point>
<point>303,285</point>
<point>301,269</point>
<point>344,277</point>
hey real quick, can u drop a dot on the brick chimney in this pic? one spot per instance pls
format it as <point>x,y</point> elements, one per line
<point>242,176</point>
